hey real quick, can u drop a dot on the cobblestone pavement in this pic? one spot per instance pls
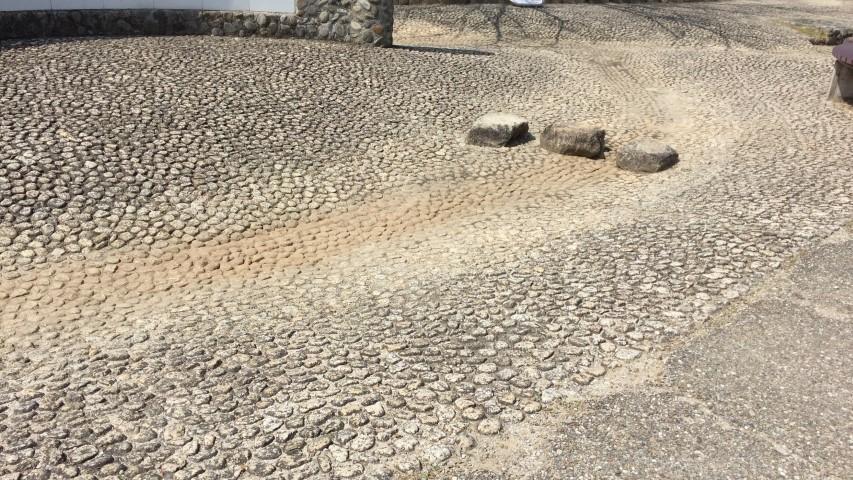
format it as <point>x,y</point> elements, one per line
<point>761,391</point>
<point>233,257</point>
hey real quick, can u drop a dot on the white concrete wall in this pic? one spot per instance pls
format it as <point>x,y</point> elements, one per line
<point>283,6</point>
<point>12,5</point>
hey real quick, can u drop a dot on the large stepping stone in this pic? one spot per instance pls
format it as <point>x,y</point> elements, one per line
<point>573,140</point>
<point>497,130</point>
<point>646,155</point>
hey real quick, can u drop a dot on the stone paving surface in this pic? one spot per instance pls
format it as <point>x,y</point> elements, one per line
<point>259,257</point>
<point>762,391</point>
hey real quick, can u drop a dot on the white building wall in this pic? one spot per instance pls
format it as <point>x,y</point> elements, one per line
<point>77,4</point>
<point>128,4</point>
<point>272,5</point>
<point>179,4</point>
<point>282,6</point>
<point>15,5</point>
<point>226,5</point>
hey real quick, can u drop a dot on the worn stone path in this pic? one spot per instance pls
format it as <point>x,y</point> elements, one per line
<point>249,257</point>
<point>762,391</point>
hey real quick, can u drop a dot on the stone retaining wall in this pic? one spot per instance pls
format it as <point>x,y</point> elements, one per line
<point>475,2</point>
<point>357,21</point>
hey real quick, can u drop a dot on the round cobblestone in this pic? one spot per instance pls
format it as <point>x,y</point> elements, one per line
<point>222,255</point>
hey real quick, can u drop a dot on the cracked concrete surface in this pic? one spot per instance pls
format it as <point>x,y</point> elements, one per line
<point>255,258</point>
<point>759,392</point>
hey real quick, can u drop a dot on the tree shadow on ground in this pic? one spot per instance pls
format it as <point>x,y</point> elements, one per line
<point>680,22</point>
<point>450,51</point>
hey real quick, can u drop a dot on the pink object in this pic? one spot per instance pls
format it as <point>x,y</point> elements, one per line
<point>844,52</point>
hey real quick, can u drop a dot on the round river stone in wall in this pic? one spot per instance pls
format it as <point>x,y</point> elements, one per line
<point>646,155</point>
<point>497,130</point>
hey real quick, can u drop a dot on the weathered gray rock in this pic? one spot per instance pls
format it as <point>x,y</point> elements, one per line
<point>323,30</point>
<point>646,155</point>
<point>625,353</point>
<point>572,140</point>
<point>497,130</point>
<point>231,28</point>
<point>437,454</point>
<point>489,426</point>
